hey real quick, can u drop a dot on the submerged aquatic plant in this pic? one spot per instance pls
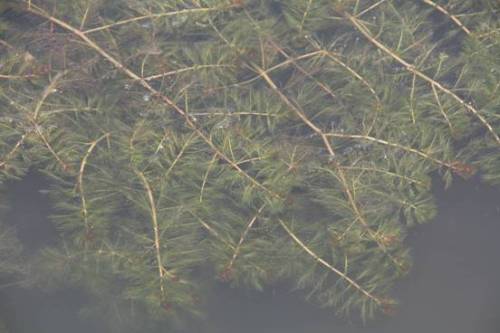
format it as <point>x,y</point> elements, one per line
<point>261,140</point>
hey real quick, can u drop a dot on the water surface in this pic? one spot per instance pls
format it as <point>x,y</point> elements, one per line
<point>453,287</point>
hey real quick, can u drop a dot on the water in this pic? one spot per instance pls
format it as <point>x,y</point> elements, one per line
<point>453,286</point>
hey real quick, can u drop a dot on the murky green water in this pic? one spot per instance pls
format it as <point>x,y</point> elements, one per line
<point>453,286</point>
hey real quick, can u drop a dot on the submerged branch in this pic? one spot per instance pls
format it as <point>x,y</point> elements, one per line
<point>156,232</point>
<point>379,301</point>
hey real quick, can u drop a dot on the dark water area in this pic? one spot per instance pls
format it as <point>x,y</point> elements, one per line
<point>29,211</point>
<point>453,287</point>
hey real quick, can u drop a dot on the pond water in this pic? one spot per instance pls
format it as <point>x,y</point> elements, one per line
<point>453,286</point>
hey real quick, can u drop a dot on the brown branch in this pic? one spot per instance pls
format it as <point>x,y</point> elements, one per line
<point>213,232</point>
<point>205,177</point>
<point>13,151</point>
<point>412,99</point>
<point>93,144</point>
<point>323,86</point>
<point>179,155</point>
<point>375,5</point>
<point>441,109</point>
<point>186,69</point>
<point>242,239</point>
<point>323,262</point>
<point>387,172</point>
<point>354,73</point>
<point>153,16</point>
<point>281,64</point>
<point>231,114</point>
<point>156,231</point>
<point>17,77</point>
<point>304,16</point>
<point>49,89</point>
<point>6,44</point>
<point>392,144</point>
<point>46,142</point>
<point>270,69</point>
<point>451,16</point>
<point>365,82</point>
<point>411,68</point>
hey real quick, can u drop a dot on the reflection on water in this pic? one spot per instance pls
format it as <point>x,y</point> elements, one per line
<point>453,286</point>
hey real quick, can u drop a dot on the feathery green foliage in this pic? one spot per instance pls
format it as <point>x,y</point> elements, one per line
<point>260,140</point>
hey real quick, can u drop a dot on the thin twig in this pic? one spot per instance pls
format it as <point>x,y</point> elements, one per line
<point>231,114</point>
<point>38,131</point>
<point>156,231</point>
<point>84,18</point>
<point>49,89</point>
<point>451,16</point>
<point>375,5</point>
<point>186,69</point>
<point>17,77</point>
<point>153,16</point>
<point>412,99</point>
<point>391,144</point>
<point>441,109</point>
<point>179,155</point>
<point>304,16</point>
<point>6,44</point>
<point>93,144</point>
<point>323,86</point>
<point>281,64</point>
<point>242,238</point>
<point>205,178</point>
<point>387,172</point>
<point>13,151</point>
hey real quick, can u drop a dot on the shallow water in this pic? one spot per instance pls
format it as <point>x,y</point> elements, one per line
<point>453,286</point>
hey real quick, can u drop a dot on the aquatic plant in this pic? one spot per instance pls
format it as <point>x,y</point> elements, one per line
<point>262,141</point>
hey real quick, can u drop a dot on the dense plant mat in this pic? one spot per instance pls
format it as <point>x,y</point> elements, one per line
<point>260,141</point>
